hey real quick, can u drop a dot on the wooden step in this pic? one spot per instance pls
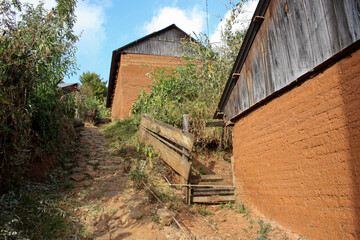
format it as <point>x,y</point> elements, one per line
<point>222,183</point>
<point>212,199</point>
<point>211,191</point>
<point>215,177</point>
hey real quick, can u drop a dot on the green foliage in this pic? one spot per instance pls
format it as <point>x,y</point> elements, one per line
<point>195,86</point>
<point>35,213</point>
<point>204,212</point>
<point>263,231</point>
<point>36,52</point>
<point>94,82</point>
<point>122,133</point>
<point>92,96</point>
<point>138,176</point>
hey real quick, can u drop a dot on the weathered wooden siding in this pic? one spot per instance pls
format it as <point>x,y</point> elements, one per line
<point>294,38</point>
<point>166,44</point>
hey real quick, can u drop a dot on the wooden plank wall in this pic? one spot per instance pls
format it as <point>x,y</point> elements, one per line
<point>166,44</point>
<point>295,37</point>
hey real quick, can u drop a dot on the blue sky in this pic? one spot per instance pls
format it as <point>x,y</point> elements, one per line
<point>106,25</point>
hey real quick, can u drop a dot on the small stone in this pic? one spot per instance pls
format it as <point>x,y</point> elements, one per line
<point>76,170</point>
<point>78,177</point>
<point>135,214</point>
<point>111,193</point>
<point>91,174</point>
<point>113,224</point>
<point>164,216</point>
<point>86,183</point>
<point>102,225</point>
<point>93,162</point>
<point>89,168</point>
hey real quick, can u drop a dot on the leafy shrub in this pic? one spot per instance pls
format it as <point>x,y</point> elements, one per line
<point>36,52</point>
<point>195,87</point>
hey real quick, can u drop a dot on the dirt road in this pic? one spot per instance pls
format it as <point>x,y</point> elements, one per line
<point>109,207</point>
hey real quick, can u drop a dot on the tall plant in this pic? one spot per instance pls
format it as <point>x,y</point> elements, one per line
<point>195,87</point>
<point>36,52</point>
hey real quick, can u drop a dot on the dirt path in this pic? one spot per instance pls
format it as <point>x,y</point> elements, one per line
<point>109,207</point>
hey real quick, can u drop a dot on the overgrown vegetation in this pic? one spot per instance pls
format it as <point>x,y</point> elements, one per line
<point>195,87</point>
<point>36,52</point>
<point>91,98</point>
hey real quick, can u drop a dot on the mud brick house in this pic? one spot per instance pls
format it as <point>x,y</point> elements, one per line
<point>293,97</point>
<point>131,63</point>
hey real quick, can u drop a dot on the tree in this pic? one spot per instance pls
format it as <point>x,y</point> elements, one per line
<point>37,49</point>
<point>96,84</point>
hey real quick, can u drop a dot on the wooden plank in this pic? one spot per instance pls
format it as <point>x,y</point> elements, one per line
<point>166,142</point>
<point>318,31</point>
<point>172,158</point>
<point>223,183</point>
<point>175,135</point>
<point>215,124</point>
<point>212,199</point>
<point>216,191</point>
<point>215,177</point>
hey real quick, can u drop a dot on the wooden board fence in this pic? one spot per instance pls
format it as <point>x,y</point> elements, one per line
<point>172,144</point>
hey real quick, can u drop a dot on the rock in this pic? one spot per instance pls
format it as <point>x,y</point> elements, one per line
<point>81,164</point>
<point>113,224</point>
<point>111,193</point>
<point>164,216</point>
<point>120,234</point>
<point>135,214</point>
<point>76,170</point>
<point>91,174</point>
<point>89,168</point>
<point>114,186</point>
<point>78,122</point>
<point>102,225</point>
<point>78,177</point>
<point>86,183</point>
<point>103,236</point>
<point>93,162</point>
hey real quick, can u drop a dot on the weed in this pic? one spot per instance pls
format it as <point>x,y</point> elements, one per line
<point>230,205</point>
<point>138,176</point>
<point>302,238</point>
<point>205,212</point>
<point>264,230</point>
<point>221,205</point>
<point>69,185</point>
<point>156,219</point>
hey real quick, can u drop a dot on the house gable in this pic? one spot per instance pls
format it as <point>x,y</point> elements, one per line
<point>165,42</point>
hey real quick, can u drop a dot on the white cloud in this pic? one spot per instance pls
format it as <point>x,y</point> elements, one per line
<point>243,20</point>
<point>90,23</point>
<point>188,20</point>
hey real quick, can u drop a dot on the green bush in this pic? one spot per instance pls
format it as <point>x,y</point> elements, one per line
<point>36,52</point>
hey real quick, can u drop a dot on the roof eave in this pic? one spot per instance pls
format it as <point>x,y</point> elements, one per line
<point>240,59</point>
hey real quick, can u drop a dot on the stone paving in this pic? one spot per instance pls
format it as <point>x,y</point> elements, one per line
<point>109,207</point>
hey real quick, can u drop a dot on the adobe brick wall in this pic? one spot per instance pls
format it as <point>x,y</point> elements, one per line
<point>297,158</point>
<point>132,77</point>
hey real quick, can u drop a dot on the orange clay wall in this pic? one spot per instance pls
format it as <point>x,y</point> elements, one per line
<point>132,77</point>
<point>297,158</point>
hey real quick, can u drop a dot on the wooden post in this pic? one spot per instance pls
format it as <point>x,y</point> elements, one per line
<point>77,107</point>
<point>184,158</point>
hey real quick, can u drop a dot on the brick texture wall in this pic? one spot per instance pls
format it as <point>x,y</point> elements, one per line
<point>297,158</point>
<point>132,77</point>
